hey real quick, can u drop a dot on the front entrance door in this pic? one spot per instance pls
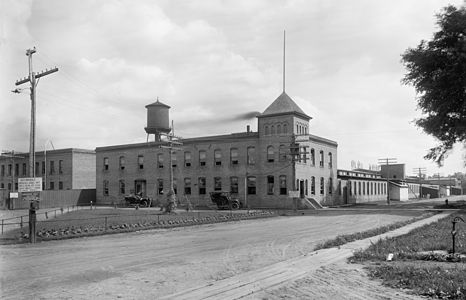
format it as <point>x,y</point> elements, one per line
<point>140,187</point>
<point>301,189</point>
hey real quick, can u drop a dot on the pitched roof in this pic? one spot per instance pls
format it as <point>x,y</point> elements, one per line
<point>157,103</point>
<point>284,105</point>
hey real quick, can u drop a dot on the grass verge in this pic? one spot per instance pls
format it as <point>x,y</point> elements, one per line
<point>421,260</point>
<point>347,238</point>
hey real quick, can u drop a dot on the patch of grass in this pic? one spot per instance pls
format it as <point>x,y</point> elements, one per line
<point>347,238</point>
<point>415,266</point>
<point>437,280</point>
<point>106,221</point>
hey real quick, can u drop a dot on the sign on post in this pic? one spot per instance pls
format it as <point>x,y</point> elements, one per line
<point>30,188</point>
<point>13,195</point>
<point>32,184</point>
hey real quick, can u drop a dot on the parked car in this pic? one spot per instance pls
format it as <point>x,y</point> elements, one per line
<point>224,200</point>
<point>137,199</point>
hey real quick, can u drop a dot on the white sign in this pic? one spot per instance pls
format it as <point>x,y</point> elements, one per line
<point>293,194</point>
<point>30,184</point>
<point>13,195</point>
<point>30,196</point>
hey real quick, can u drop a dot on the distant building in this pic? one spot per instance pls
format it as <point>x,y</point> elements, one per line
<point>256,167</point>
<point>61,169</point>
<point>358,186</point>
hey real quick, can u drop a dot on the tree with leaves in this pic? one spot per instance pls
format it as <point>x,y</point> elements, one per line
<point>437,70</point>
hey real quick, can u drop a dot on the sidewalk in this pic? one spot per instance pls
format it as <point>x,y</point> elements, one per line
<point>254,281</point>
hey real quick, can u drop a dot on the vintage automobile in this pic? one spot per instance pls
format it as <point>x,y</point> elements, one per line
<point>223,200</point>
<point>137,200</point>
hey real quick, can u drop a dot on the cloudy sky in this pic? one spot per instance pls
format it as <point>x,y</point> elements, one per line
<point>214,62</point>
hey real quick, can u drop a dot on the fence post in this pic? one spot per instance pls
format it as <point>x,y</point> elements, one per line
<point>2,226</point>
<point>21,224</point>
<point>106,223</point>
<point>46,215</point>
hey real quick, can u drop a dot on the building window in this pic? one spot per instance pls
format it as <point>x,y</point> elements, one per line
<point>105,190</point>
<point>282,153</point>
<point>60,185</point>
<point>43,168</point>
<point>52,167</point>
<point>279,129</point>
<point>9,186</point>
<point>218,157</point>
<point>285,128</point>
<point>306,187</point>
<point>187,159</point>
<point>313,157</point>
<point>51,185</point>
<point>141,162</point>
<point>16,186</point>
<point>187,186</point>
<point>174,160</point>
<point>2,185</point>
<point>60,167</point>
<point>160,160</point>
<point>368,192</point>
<point>16,169</point>
<point>359,188</point>
<point>217,184</point>
<point>330,161</point>
<point>251,155</point>
<point>122,162</point>
<point>234,156</point>
<point>330,185</point>
<point>272,130</point>
<point>202,185</point>
<point>105,164</point>
<point>313,185</point>
<point>270,185</point>
<point>270,154</point>
<point>122,187</point>
<point>202,158</point>
<point>322,185</point>
<point>234,185</point>
<point>321,154</point>
<point>25,168</point>
<point>3,170</point>
<point>10,169</point>
<point>267,130</point>
<point>37,171</point>
<point>251,183</point>
<point>160,186</point>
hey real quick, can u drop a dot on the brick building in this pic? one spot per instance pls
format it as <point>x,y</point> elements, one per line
<point>61,169</point>
<point>357,186</point>
<point>255,166</point>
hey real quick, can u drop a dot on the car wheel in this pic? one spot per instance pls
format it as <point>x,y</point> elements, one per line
<point>234,205</point>
<point>144,203</point>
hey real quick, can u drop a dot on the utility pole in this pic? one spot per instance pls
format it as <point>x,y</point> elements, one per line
<point>172,142</point>
<point>387,162</point>
<point>420,171</point>
<point>33,80</point>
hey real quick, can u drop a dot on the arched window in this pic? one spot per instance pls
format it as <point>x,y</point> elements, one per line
<point>270,184</point>
<point>313,157</point>
<point>306,187</point>
<point>202,157</point>
<point>160,160</point>
<point>187,159</point>
<point>105,188</point>
<point>267,130</point>
<point>270,154</point>
<point>251,155</point>
<point>330,185</point>
<point>321,158</point>
<point>283,189</point>
<point>330,159</point>
<point>122,163</point>
<point>322,185</point>
<point>234,156</point>
<point>285,128</point>
<point>272,130</point>
<point>282,153</point>
<point>313,185</point>
<point>279,129</point>
<point>218,157</point>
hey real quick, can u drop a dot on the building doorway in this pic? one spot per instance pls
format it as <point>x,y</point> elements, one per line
<point>140,187</point>
<point>301,189</point>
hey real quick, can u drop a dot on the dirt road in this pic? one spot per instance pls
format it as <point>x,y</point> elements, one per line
<point>151,264</point>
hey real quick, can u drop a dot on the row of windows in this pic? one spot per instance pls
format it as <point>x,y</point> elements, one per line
<point>367,188</point>
<point>313,183</point>
<point>51,185</point>
<point>233,159</point>
<point>8,169</point>
<point>201,183</point>
<point>275,129</point>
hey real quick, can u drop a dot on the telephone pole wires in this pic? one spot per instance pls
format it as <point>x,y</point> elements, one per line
<point>33,80</point>
<point>420,171</point>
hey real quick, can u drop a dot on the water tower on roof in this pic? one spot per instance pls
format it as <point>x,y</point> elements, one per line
<point>157,119</point>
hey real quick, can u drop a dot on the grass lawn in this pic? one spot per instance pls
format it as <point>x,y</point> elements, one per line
<point>104,221</point>
<point>416,266</point>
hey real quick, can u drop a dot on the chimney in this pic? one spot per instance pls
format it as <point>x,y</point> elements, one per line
<point>248,128</point>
